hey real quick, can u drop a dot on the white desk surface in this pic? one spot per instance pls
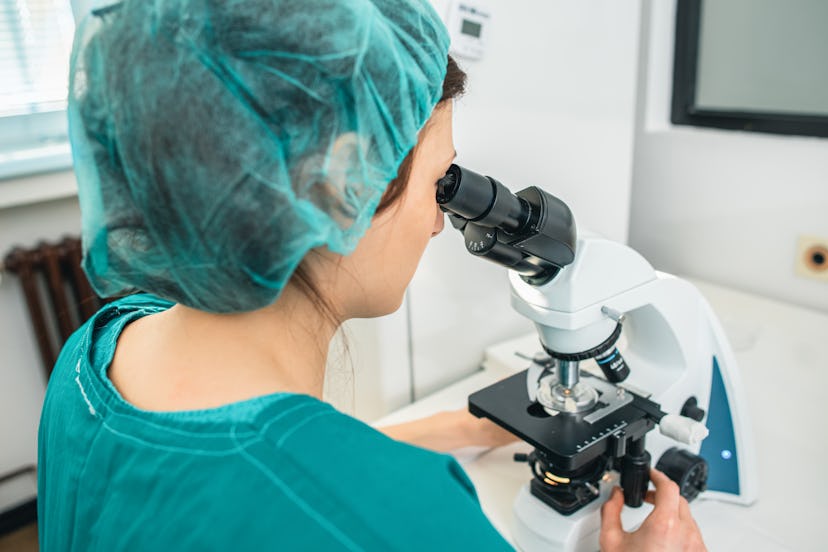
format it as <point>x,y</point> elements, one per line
<point>782,353</point>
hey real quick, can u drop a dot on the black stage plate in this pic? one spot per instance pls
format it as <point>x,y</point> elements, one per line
<point>567,440</point>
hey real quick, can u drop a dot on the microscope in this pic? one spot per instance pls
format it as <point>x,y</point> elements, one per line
<point>622,349</point>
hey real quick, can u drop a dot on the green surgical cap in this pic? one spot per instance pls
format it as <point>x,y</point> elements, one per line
<point>216,142</point>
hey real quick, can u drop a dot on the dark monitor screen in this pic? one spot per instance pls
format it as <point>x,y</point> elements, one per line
<point>756,65</point>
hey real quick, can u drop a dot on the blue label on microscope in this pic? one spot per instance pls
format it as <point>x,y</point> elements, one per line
<point>719,448</point>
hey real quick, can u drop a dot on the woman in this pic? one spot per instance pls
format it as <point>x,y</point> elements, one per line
<point>266,170</point>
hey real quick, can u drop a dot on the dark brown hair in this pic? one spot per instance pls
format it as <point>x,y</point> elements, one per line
<point>454,85</point>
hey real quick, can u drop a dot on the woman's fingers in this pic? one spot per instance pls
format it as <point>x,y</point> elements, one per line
<point>670,526</point>
<point>612,532</point>
<point>684,506</point>
<point>684,510</point>
<point>667,496</point>
<point>611,512</point>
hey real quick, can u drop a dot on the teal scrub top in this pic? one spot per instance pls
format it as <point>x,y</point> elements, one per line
<point>282,471</point>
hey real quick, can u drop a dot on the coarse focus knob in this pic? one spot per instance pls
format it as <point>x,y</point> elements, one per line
<point>635,473</point>
<point>635,476</point>
<point>688,470</point>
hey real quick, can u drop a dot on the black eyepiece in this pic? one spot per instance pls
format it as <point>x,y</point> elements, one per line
<point>480,199</point>
<point>447,186</point>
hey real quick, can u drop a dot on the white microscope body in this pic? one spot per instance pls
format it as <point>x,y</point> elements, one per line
<point>663,359</point>
<point>675,349</point>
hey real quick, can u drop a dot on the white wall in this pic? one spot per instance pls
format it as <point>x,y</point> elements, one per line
<point>721,205</point>
<point>551,104</point>
<point>21,375</point>
<point>369,366</point>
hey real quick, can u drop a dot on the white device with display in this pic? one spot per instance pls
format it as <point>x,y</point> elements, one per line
<point>468,23</point>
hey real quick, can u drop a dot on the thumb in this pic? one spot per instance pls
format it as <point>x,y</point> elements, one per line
<point>611,512</point>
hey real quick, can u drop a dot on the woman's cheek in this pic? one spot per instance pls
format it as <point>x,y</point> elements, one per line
<point>439,223</point>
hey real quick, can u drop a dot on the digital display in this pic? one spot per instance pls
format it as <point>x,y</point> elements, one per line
<point>471,28</point>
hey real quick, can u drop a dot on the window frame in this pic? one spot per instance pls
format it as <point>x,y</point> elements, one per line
<point>683,109</point>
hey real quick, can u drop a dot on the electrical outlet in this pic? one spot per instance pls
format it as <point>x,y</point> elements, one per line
<point>812,258</point>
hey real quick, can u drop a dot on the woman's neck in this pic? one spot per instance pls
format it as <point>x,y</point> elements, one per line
<point>185,359</point>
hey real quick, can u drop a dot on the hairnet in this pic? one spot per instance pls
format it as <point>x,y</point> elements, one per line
<point>217,141</point>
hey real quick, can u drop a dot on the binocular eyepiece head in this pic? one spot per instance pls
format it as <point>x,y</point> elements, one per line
<point>531,232</point>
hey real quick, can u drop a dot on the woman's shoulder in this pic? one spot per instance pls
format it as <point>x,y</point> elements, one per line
<point>399,492</point>
<point>105,324</point>
<point>94,340</point>
<point>305,426</point>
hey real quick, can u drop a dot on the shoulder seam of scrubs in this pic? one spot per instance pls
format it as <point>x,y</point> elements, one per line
<point>106,412</point>
<point>108,403</point>
<point>232,431</point>
<point>302,504</point>
<point>107,415</point>
<point>267,425</point>
<point>229,451</point>
<point>292,430</point>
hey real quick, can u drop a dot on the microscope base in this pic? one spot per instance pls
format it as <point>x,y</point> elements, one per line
<point>537,527</point>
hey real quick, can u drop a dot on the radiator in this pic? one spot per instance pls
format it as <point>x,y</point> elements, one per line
<point>58,296</point>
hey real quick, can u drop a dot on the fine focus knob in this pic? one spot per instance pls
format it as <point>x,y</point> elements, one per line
<point>688,470</point>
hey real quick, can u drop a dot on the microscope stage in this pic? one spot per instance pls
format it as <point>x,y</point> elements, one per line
<point>568,440</point>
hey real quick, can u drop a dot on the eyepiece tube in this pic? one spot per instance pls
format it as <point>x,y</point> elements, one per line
<point>481,199</point>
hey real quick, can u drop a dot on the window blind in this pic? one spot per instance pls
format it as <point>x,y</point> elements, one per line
<point>35,43</point>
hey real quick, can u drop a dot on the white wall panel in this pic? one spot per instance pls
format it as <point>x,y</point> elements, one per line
<point>369,366</point>
<point>720,205</point>
<point>551,104</point>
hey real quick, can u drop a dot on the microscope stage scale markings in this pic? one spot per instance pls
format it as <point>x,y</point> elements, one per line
<point>601,435</point>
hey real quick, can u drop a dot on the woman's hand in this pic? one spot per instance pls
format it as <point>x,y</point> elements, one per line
<point>669,527</point>
<point>450,430</point>
<point>482,432</point>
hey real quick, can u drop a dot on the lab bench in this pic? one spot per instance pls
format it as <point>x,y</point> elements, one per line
<point>781,352</point>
